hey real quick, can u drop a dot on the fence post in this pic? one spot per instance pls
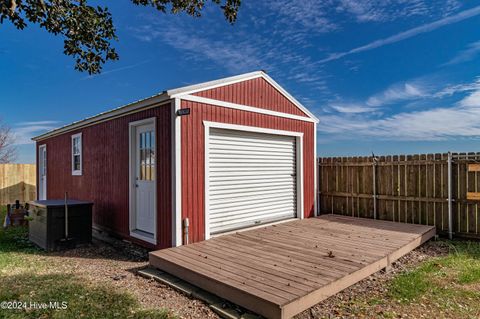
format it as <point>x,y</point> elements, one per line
<point>450,219</point>
<point>374,177</point>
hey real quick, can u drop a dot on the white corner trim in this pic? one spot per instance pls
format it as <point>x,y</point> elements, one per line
<point>300,178</point>
<point>176,174</point>
<point>206,182</point>
<point>131,181</point>
<point>199,99</point>
<point>77,172</point>
<point>315,172</point>
<point>300,189</point>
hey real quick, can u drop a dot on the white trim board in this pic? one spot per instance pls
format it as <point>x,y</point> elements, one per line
<point>299,153</point>
<point>131,181</point>
<point>241,107</point>
<point>176,174</point>
<point>315,173</point>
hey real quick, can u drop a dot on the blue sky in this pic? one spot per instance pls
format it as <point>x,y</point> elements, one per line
<point>390,77</point>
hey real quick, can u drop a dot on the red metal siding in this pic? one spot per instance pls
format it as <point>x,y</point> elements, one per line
<point>193,161</point>
<point>105,171</point>
<point>256,92</point>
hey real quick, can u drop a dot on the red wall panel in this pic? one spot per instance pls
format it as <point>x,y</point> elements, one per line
<point>193,156</point>
<point>255,92</point>
<point>105,171</point>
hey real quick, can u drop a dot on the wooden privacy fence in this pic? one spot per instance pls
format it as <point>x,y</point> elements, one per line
<point>17,181</point>
<point>405,188</point>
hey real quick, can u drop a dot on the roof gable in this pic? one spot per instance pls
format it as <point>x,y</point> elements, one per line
<point>255,89</point>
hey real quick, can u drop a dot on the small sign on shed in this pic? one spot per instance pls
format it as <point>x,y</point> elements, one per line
<point>474,167</point>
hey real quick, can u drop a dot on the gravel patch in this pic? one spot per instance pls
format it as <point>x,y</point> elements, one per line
<point>102,263</point>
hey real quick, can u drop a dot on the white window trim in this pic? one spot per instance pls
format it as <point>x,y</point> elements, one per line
<point>299,142</point>
<point>40,147</point>
<point>77,172</point>
<point>131,173</point>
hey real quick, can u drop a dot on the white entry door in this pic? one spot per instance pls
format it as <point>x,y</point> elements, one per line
<point>144,170</point>
<point>42,172</point>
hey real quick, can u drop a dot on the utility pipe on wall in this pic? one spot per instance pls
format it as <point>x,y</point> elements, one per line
<point>186,226</point>
<point>450,226</point>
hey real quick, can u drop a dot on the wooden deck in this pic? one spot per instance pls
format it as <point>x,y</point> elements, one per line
<point>280,270</point>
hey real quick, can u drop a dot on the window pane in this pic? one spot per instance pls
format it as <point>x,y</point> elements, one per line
<point>76,162</point>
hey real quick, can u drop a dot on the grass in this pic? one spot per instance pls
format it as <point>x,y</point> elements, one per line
<point>448,284</point>
<point>27,275</point>
<point>445,275</point>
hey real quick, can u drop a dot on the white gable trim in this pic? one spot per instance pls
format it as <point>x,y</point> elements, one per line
<point>188,90</point>
<point>199,99</point>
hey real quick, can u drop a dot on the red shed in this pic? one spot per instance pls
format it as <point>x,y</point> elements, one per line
<point>219,156</point>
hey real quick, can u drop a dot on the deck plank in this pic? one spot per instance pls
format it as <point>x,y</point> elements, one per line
<point>283,269</point>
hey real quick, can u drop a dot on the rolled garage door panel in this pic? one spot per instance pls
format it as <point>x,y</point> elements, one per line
<point>251,179</point>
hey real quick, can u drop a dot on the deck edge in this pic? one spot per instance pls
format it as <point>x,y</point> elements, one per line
<point>305,302</point>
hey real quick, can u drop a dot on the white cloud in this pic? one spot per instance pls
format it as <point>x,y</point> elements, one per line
<point>235,50</point>
<point>430,125</point>
<point>309,14</point>
<point>405,91</point>
<point>466,55</point>
<point>472,100</point>
<point>459,120</point>
<point>352,108</point>
<point>458,88</point>
<point>372,10</point>
<point>24,131</point>
<point>406,34</point>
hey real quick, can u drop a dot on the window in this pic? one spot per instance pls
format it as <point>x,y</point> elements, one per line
<point>77,154</point>
<point>147,156</point>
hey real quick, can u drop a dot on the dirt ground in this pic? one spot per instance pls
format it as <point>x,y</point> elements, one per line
<point>115,265</point>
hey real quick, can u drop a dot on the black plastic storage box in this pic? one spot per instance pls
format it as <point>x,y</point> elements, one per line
<point>47,223</point>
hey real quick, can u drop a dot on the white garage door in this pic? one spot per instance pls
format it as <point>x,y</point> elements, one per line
<point>251,179</point>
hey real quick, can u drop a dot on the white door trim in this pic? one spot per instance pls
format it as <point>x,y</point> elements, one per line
<point>299,142</point>
<point>41,165</point>
<point>131,179</point>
